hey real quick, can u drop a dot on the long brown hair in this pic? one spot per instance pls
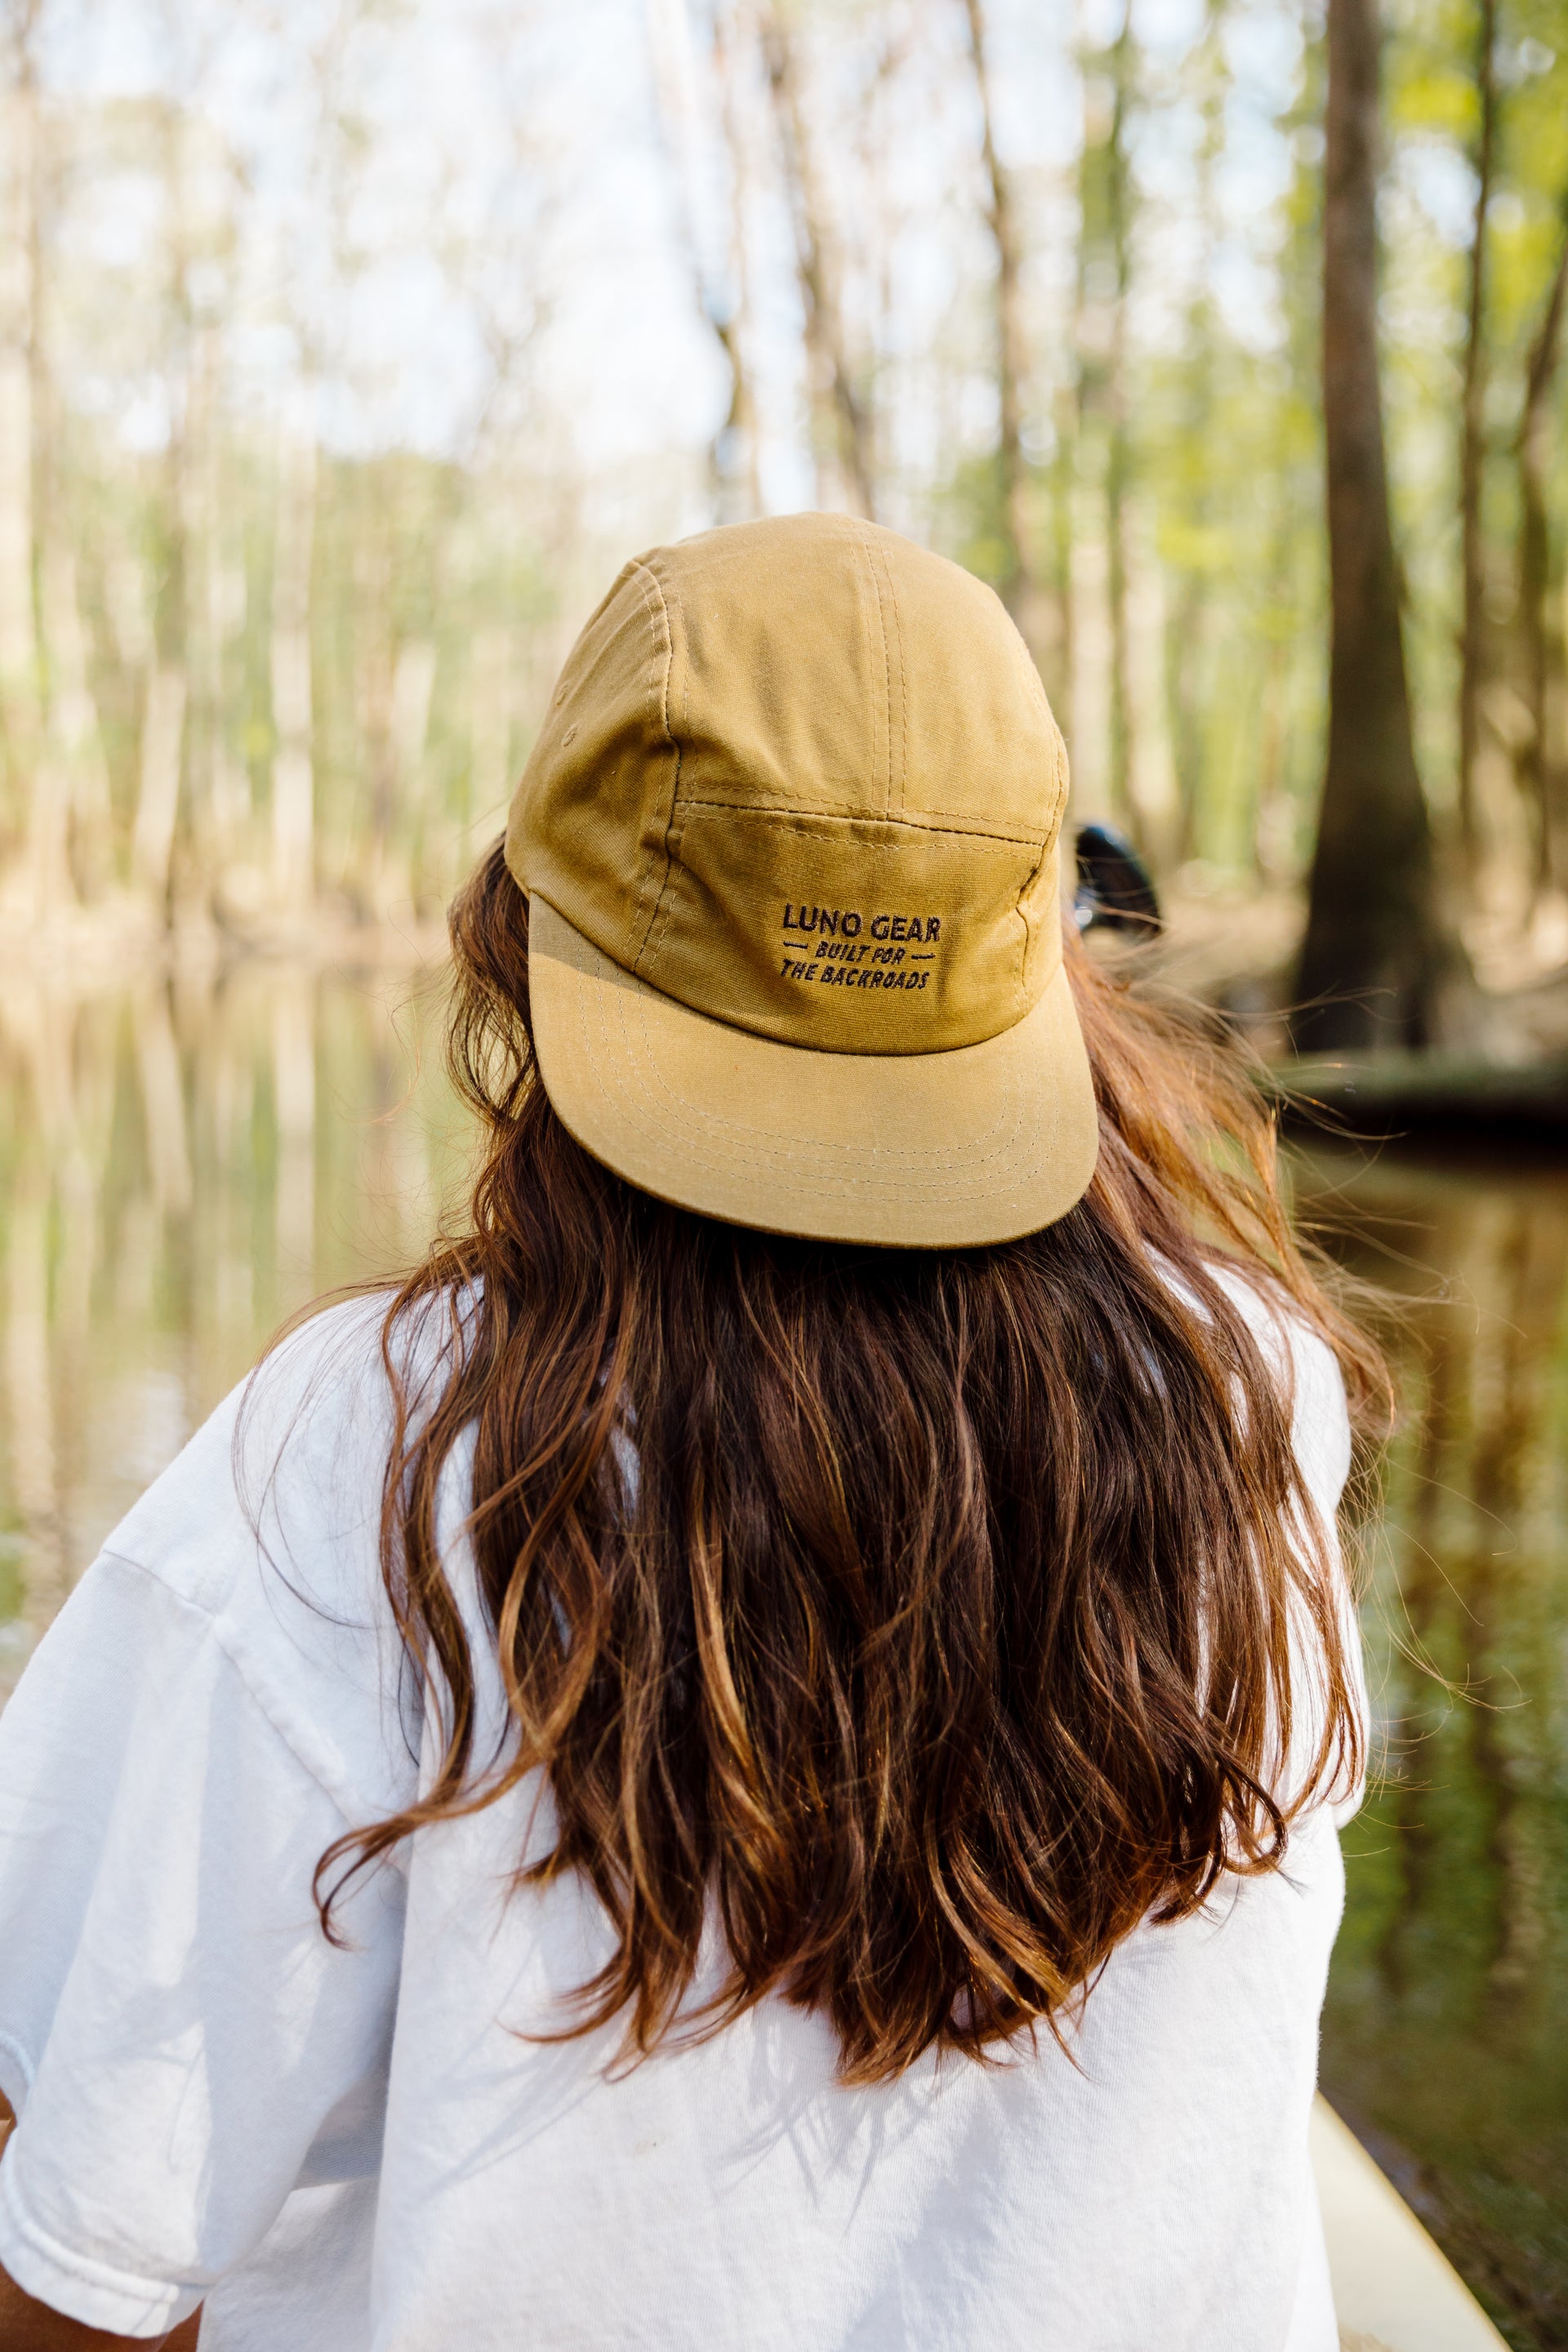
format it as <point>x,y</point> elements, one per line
<point>924,1616</point>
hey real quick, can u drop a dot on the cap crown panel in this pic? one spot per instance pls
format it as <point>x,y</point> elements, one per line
<point>590,822</point>
<point>802,775</point>
<point>749,636</point>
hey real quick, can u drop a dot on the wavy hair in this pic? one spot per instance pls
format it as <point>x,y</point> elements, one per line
<point>925,1617</point>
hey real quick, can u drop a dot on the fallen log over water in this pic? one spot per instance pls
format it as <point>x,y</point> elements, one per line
<point>1377,1096</point>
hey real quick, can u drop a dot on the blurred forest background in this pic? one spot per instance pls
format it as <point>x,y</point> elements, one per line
<point>348,346</point>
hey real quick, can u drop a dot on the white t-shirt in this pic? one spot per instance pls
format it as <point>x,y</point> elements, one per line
<point>338,2149</point>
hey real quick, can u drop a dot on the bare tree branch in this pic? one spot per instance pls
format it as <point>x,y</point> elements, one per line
<point>817,263</point>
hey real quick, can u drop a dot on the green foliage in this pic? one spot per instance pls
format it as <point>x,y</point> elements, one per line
<point>1223,449</point>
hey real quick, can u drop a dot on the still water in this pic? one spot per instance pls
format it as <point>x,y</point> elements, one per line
<point>1446,2038</point>
<point>182,1167</point>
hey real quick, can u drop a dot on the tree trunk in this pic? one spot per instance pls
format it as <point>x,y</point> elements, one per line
<point>73,838</point>
<point>1472,441</point>
<point>1060,676</point>
<point>294,1101</point>
<point>158,799</point>
<point>220,784</point>
<point>1117,457</point>
<point>293,773</point>
<point>494,668</point>
<point>49,786</point>
<point>30,1395</point>
<point>19,682</point>
<point>736,459</point>
<point>1190,662</point>
<point>167,708</point>
<point>409,728</point>
<point>720,285</point>
<point>1375,954</point>
<point>1018,584</point>
<point>76,741</point>
<point>847,419</point>
<point>165,1126</point>
<point>1541,777</point>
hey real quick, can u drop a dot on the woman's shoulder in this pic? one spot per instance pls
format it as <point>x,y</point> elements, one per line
<point>1308,1375</point>
<point>268,1524</point>
<point>290,1460</point>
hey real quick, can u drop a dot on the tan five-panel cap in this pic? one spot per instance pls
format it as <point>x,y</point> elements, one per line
<point>789,836</point>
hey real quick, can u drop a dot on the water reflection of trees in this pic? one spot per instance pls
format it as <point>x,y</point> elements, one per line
<point>181,1165</point>
<point>1446,2028</point>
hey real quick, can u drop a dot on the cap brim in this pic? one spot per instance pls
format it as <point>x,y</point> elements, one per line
<point>915,1151</point>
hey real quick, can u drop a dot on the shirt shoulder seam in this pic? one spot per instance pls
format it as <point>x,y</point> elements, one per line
<point>280,1731</point>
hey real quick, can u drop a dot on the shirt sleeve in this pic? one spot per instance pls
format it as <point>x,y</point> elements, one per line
<point>1320,1440</point>
<point>180,2041</point>
<point>1320,1437</point>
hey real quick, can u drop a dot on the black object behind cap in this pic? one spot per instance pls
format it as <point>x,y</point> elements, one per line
<point>1114,889</point>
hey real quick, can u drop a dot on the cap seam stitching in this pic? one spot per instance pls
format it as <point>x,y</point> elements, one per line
<point>1052,838</point>
<point>906,823</point>
<point>869,557</point>
<point>882,557</point>
<point>1024,888</point>
<point>646,578</point>
<point>651,947</point>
